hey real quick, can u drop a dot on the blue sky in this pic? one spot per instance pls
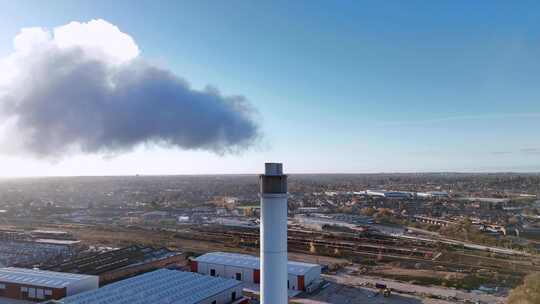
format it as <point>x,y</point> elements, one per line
<point>340,86</point>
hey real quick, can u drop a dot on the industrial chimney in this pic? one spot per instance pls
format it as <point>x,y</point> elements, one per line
<point>273,234</point>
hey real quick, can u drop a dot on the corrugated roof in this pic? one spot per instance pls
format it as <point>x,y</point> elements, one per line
<point>104,262</point>
<point>49,231</point>
<point>159,286</point>
<point>57,242</point>
<point>40,277</point>
<point>249,261</point>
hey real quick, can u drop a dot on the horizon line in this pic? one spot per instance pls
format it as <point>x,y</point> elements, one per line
<point>537,172</point>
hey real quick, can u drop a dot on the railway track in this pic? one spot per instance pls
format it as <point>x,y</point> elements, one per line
<point>377,248</point>
<point>310,241</point>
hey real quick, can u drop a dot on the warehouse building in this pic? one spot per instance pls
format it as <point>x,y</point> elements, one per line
<point>117,264</point>
<point>51,234</point>
<point>246,268</point>
<point>30,253</point>
<point>389,194</point>
<point>164,286</point>
<point>39,285</point>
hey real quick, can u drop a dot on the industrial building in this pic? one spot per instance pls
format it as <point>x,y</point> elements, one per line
<point>39,285</point>
<point>246,268</point>
<point>30,253</point>
<point>389,194</point>
<point>120,263</point>
<point>432,194</point>
<point>19,248</point>
<point>164,286</point>
<point>318,221</point>
<point>51,234</point>
<point>154,216</point>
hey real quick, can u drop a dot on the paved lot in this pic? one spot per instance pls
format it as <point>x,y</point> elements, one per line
<point>357,287</point>
<point>337,293</point>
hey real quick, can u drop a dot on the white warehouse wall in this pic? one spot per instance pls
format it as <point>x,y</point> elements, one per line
<point>312,275</point>
<point>224,297</point>
<point>246,273</point>
<point>224,271</point>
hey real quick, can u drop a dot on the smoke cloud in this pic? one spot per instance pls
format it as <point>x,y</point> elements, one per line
<point>84,88</point>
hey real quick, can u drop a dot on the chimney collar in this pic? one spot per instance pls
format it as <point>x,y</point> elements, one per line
<point>273,169</point>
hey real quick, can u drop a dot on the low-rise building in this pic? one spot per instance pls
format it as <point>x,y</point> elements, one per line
<point>51,234</point>
<point>28,253</point>
<point>117,264</point>
<point>155,216</point>
<point>165,286</point>
<point>40,285</point>
<point>246,268</point>
<point>389,194</point>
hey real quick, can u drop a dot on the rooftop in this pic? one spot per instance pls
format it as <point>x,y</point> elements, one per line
<point>101,263</point>
<point>49,231</point>
<point>160,286</point>
<point>39,277</point>
<point>249,261</point>
<point>486,199</point>
<point>57,242</point>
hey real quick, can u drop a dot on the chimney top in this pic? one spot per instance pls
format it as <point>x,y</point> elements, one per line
<point>273,169</point>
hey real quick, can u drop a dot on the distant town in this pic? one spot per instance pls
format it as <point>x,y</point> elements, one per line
<point>442,237</point>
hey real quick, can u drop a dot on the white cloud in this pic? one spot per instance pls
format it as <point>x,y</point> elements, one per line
<point>30,38</point>
<point>98,39</point>
<point>82,88</point>
<point>99,36</point>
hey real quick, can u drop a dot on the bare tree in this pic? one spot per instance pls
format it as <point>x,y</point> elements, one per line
<point>528,292</point>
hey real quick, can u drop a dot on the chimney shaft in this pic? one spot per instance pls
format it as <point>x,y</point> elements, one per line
<point>273,192</point>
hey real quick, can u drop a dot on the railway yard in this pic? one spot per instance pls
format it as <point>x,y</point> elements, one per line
<point>417,270</point>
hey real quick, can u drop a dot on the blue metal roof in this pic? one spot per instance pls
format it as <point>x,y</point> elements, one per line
<point>159,286</point>
<point>40,277</point>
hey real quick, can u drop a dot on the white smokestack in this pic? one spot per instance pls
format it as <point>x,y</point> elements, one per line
<point>273,234</point>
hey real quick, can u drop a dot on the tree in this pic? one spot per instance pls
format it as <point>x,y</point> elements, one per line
<point>384,213</point>
<point>528,292</point>
<point>369,211</point>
